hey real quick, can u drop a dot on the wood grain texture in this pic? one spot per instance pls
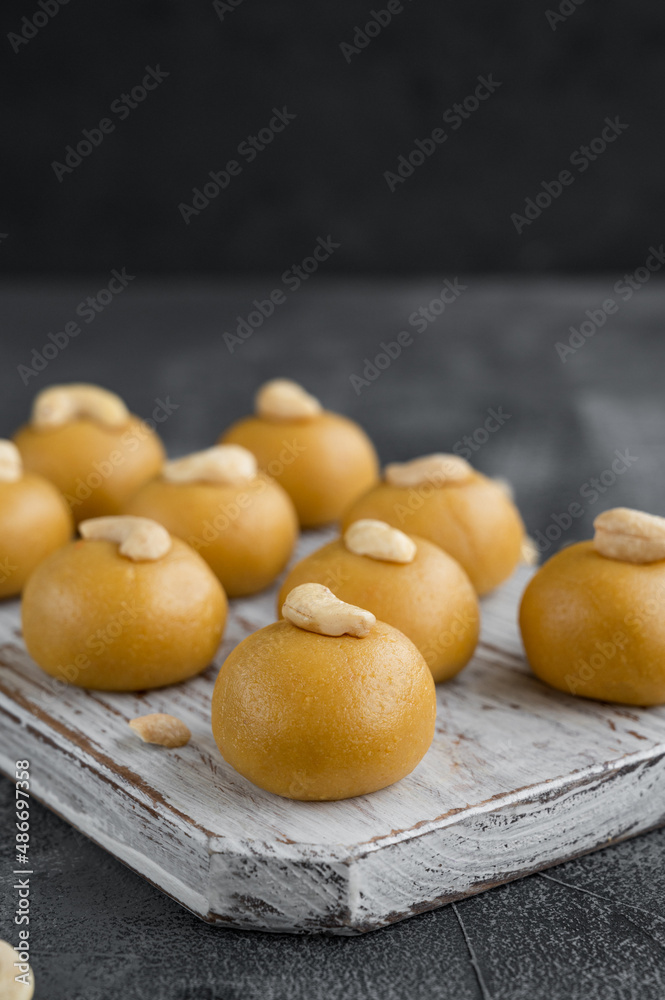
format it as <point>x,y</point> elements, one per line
<point>518,778</point>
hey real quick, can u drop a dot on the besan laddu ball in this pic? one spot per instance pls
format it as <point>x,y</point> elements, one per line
<point>326,704</point>
<point>403,580</point>
<point>443,499</point>
<point>124,608</point>
<point>86,442</point>
<point>593,617</point>
<point>323,460</point>
<point>34,520</point>
<point>239,519</point>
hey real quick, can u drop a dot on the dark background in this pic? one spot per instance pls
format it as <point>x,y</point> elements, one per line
<point>324,173</point>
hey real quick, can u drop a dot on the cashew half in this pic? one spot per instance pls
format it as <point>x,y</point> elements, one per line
<point>529,554</point>
<point>379,540</point>
<point>313,607</point>
<point>61,404</point>
<point>140,538</point>
<point>230,464</point>
<point>165,730</point>
<point>505,486</point>
<point>630,535</point>
<point>437,470</point>
<point>11,466</point>
<point>10,989</point>
<point>282,399</point>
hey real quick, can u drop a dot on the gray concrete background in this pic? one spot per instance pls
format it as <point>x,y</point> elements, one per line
<point>593,929</point>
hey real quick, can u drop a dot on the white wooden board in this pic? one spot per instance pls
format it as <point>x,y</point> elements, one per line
<point>518,778</point>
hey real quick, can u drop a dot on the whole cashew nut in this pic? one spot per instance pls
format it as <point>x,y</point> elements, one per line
<point>282,399</point>
<point>437,470</point>
<point>313,607</point>
<point>230,464</point>
<point>630,535</point>
<point>11,465</point>
<point>62,404</point>
<point>140,538</point>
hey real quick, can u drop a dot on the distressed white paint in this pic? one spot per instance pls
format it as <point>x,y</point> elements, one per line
<point>518,778</point>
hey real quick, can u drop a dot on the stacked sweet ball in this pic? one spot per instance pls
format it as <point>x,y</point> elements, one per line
<point>337,697</point>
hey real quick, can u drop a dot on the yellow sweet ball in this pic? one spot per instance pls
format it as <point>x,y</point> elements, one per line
<point>34,521</point>
<point>405,581</point>
<point>315,716</point>
<point>125,608</point>
<point>84,440</point>
<point>441,498</point>
<point>238,519</point>
<point>593,617</point>
<point>323,460</point>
